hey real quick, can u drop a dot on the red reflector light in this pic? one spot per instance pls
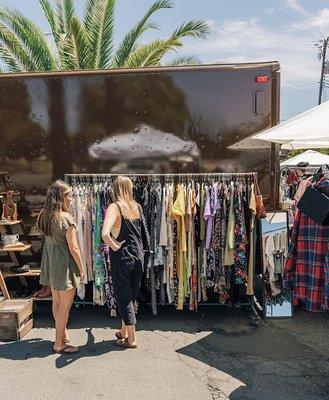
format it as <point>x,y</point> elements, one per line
<point>262,79</point>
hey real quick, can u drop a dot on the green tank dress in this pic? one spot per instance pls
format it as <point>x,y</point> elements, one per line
<point>58,268</point>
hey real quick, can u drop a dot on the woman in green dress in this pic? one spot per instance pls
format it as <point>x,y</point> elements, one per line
<point>61,265</point>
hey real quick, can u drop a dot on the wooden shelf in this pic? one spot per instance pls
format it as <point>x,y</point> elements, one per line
<point>15,193</point>
<point>9,223</point>
<point>15,249</point>
<point>7,273</point>
<point>41,298</point>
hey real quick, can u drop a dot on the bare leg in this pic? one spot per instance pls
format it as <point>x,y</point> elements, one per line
<point>62,315</point>
<point>123,329</point>
<point>55,307</point>
<point>132,339</point>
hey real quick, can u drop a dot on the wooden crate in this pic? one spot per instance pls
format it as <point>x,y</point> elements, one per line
<point>16,319</point>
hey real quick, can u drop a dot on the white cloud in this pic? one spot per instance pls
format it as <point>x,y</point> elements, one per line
<point>210,22</point>
<point>293,5</point>
<point>249,41</point>
<point>269,10</point>
<point>319,21</point>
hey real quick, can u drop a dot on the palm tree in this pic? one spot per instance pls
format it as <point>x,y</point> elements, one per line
<point>87,43</point>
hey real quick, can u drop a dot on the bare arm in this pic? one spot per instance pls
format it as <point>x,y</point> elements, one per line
<point>72,241</point>
<point>111,215</point>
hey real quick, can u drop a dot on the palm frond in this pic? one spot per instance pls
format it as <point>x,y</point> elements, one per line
<point>184,60</point>
<point>30,37</point>
<point>66,56</point>
<point>129,42</point>
<point>80,44</point>
<point>195,29</point>
<point>89,17</point>
<point>101,33</point>
<point>51,16</point>
<point>11,59</point>
<point>65,13</point>
<point>150,55</point>
<point>12,53</point>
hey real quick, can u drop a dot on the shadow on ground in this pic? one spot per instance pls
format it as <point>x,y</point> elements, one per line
<point>39,348</point>
<point>279,360</point>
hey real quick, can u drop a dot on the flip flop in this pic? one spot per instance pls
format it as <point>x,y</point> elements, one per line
<point>119,335</point>
<point>124,343</point>
<point>65,350</point>
<point>39,292</point>
<point>44,294</point>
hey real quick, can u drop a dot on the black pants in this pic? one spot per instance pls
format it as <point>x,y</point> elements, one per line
<point>127,272</point>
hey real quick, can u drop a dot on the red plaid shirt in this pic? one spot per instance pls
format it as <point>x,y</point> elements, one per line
<point>307,268</point>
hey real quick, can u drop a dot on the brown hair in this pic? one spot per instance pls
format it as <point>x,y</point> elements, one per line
<point>123,189</point>
<point>54,205</point>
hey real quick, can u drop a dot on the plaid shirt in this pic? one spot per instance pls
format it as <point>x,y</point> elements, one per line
<point>307,268</point>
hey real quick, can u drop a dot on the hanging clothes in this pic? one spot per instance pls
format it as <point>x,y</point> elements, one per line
<point>178,212</point>
<point>200,244</point>
<point>306,271</point>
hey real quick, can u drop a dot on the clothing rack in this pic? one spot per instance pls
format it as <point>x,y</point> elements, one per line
<point>94,178</point>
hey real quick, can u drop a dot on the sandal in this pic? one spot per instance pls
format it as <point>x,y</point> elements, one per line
<point>67,349</point>
<point>40,292</point>
<point>125,343</point>
<point>47,292</point>
<point>119,335</point>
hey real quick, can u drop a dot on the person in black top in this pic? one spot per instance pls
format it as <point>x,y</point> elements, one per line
<point>123,232</point>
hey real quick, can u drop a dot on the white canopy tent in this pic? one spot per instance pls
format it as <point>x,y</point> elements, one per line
<point>313,158</point>
<point>323,144</point>
<point>310,128</point>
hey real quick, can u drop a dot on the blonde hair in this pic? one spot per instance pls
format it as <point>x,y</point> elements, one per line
<point>54,205</point>
<point>123,189</point>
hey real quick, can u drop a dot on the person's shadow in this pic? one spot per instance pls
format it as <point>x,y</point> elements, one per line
<point>38,348</point>
<point>90,349</point>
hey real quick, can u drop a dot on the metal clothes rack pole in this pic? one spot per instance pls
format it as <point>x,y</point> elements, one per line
<point>100,178</point>
<point>188,175</point>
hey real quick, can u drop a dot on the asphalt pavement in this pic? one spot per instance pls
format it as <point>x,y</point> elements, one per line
<point>215,354</point>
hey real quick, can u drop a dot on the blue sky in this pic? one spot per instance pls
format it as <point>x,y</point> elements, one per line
<point>241,31</point>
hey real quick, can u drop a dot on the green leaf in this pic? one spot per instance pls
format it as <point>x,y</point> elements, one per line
<point>195,29</point>
<point>65,13</point>
<point>52,19</point>
<point>150,55</point>
<point>184,60</point>
<point>30,37</point>
<point>12,53</point>
<point>89,17</point>
<point>101,33</point>
<point>129,42</point>
<point>80,44</point>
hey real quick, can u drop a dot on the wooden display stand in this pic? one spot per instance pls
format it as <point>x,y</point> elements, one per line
<point>16,318</point>
<point>14,252</point>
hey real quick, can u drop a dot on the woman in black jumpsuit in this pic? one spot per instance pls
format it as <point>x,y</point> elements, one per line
<point>123,231</point>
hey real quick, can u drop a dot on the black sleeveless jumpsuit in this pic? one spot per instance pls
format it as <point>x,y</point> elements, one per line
<point>127,267</point>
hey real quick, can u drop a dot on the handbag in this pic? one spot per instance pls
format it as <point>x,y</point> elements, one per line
<point>315,205</point>
<point>260,208</point>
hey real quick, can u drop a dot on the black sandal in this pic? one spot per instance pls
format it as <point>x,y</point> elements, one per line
<point>67,349</point>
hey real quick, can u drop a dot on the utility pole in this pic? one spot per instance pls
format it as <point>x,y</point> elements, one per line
<point>323,67</point>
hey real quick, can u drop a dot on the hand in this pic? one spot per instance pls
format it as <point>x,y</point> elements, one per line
<point>81,273</point>
<point>118,245</point>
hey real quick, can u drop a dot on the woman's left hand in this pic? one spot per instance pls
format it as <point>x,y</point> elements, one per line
<point>117,245</point>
